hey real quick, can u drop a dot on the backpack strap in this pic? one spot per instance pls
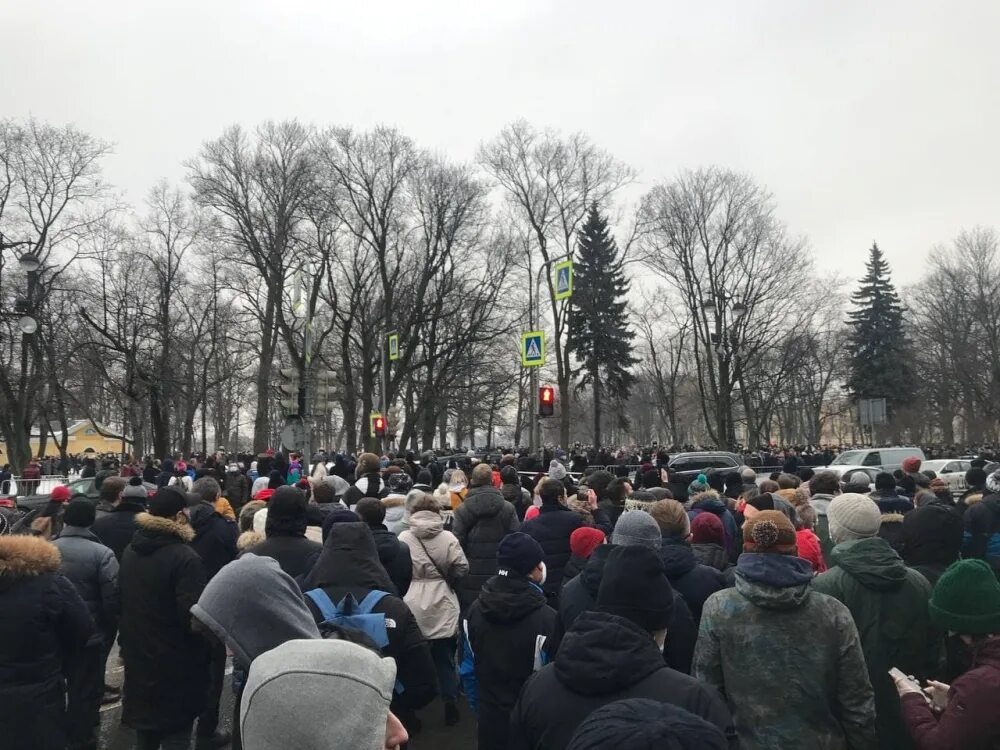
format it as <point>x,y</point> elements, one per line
<point>323,603</point>
<point>366,605</point>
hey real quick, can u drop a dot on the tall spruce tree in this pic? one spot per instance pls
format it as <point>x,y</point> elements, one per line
<point>880,364</point>
<point>599,336</point>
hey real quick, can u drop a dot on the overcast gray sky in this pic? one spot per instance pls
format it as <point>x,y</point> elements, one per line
<point>867,120</point>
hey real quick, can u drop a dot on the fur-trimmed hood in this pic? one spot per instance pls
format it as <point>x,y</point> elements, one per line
<point>22,556</point>
<point>248,539</point>
<point>155,532</point>
<point>394,501</point>
<point>892,518</point>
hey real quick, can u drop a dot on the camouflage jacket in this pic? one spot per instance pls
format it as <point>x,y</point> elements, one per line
<point>787,659</point>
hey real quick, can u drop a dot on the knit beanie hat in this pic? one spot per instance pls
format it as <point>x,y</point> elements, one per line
<point>911,465</point>
<point>637,527</point>
<point>706,528</point>
<point>135,489</point>
<point>167,502</point>
<point>644,724</point>
<point>60,494</point>
<point>853,516</point>
<point>80,512</point>
<point>699,485</point>
<point>368,463</point>
<point>770,531</point>
<point>556,470</point>
<point>518,553</point>
<point>639,500</point>
<point>297,678</point>
<point>583,541</point>
<point>635,586</point>
<point>966,599</point>
<point>885,481</point>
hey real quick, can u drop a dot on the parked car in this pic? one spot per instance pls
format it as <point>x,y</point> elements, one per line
<point>684,468</point>
<point>76,487</point>
<point>886,459</point>
<point>951,471</point>
<point>844,473</point>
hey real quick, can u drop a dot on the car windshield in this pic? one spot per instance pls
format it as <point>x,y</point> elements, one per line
<point>850,457</point>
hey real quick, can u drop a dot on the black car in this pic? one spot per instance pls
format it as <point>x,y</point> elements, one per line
<point>684,468</point>
<point>77,487</point>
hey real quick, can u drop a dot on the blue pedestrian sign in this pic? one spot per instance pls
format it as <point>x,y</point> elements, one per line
<point>564,280</point>
<point>533,348</point>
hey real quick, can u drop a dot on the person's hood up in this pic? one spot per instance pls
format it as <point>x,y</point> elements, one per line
<point>871,562</point>
<point>23,556</point>
<point>931,534</point>
<point>426,524</point>
<point>201,515</point>
<point>287,699</point>
<point>709,501</point>
<point>511,493</point>
<point>505,599</point>
<point>154,532</point>
<point>678,557</point>
<point>773,581</point>
<point>253,606</point>
<point>350,559</point>
<point>395,507</point>
<point>605,654</point>
<point>484,502</point>
<point>593,572</point>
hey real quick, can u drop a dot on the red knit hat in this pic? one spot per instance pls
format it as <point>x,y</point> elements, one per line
<point>706,528</point>
<point>585,540</point>
<point>264,495</point>
<point>911,465</point>
<point>531,513</point>
<point>60,494</point>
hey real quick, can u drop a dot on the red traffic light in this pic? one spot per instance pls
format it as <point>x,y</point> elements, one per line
<point>378,425</point>
<point>546,401</point>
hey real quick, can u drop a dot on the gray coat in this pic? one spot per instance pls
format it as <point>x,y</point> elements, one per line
<point>93,571</point>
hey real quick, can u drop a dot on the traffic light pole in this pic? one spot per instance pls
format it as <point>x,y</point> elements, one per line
<point>533,310</point>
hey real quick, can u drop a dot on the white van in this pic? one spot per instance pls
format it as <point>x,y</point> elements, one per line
<point>886,459</point>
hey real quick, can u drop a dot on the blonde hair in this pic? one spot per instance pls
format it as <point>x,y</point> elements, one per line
<point>671,517</point>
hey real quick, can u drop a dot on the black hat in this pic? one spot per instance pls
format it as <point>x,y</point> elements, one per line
<point>80,512</point>
<point>643,724</point>
<point>518,553</point>
<point>167,502</point>
<point>635,587</point>
<point>885,481</point>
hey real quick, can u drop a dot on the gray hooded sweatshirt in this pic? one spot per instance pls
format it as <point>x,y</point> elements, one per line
<point>317,695</point>
<point>252,606</point>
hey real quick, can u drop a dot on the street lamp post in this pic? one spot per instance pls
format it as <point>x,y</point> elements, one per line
<point>724,338</point>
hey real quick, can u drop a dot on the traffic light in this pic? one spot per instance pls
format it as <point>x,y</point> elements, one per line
<point>546,401</point>
<point>378,426</point>
<point>290,389</point>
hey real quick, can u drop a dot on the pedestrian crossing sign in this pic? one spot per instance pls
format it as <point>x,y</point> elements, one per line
<point>564,280</point>
<point>393,347</point>
<point>533,348</point>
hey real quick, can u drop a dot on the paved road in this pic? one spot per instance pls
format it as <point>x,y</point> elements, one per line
<point>435,735</point>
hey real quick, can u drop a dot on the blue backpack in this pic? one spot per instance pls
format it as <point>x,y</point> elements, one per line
<point>349,614</point>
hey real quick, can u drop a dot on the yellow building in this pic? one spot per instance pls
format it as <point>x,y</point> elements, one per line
<point>85,436</point>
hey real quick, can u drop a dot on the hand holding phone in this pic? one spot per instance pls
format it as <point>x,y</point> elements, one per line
<point>904,684</point>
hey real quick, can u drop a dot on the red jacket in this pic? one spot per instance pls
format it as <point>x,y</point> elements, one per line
<point>809,549</point>
<point>971,720</point>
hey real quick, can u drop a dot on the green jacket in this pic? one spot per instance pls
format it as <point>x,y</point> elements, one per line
<point>889,604</point>
<point>787,660</point>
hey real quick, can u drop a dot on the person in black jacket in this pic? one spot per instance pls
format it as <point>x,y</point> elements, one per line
<point>508,629</point>
<point>692,580</point>
<point>349,564</point>
<point>369,481</point>
<point>166,661</point>
<point>392,553</point>
<point>481,521</point>
<point>610,655</point>
<point>215,542</point>
<point>635,528</point>
<point>552,528</point>
<point>116,528</point>
<point>285,533</point>
<point>643,724</point>
<point>43,620</point>
<point>612,502</point>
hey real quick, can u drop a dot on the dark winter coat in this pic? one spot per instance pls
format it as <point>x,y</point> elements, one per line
<point>692,580</point>
<point>295,554</point>
<point>787,659</point>
<point>715,556</point>
<point>116,529</point>
<point>602,659</point>
<point>551,528</point>
<point>349,564</point>
<point>711,502</point>
<point>517,496</point>
<point>236,489</point>
<point>369,485</point>
<point>970,721</point>
<point>166,662</point>
<point>888,602</point>
<point>214,538</point>
<point>891,530</point>
<point>93,570</point>
<point>580,595</point>
<point>42,619</point>
<point>931,539</point>
<point>504,625</point>
<point>573,568</point>
<point>395,558</point>
<point>481,521</point>
<point>982,531</point>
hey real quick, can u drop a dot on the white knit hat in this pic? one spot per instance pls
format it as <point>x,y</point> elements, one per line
<point>853,516</point>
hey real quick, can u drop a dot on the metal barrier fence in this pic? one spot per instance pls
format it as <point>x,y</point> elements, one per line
<point>21,487</point>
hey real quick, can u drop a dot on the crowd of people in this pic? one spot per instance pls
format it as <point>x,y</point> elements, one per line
<point>562,610</point>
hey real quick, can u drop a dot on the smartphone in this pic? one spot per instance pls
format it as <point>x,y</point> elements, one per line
<point>896,674</point>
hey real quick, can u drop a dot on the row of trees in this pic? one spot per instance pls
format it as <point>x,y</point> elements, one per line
<point>292,248</point>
